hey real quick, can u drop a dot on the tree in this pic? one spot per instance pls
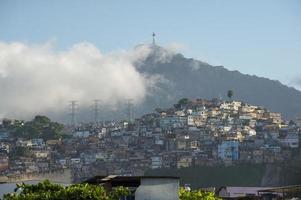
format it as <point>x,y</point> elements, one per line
<point>196,195</point>
<point>119,192</point>
<point>41,119</point>
<point>230,94</point>
<point>6,123</point>
<point>183,101</point>
<point>19,151</point>
<point>48,191</point>
<point>39,127</point>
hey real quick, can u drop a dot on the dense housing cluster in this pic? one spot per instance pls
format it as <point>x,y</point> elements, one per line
<point>192,133</point>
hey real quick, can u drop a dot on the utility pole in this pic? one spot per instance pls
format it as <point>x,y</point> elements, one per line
<point>96,110</point>
<point>130,110</point>
<point>73,107</point>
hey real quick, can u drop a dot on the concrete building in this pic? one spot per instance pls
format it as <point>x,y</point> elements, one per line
<point>142,187</point>
<point>158,188</point>
<point>228,150</point>
<point>238,192</point>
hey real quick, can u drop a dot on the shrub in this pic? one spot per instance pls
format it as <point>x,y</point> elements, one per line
<point>48,191</point>
<point>196,195</point>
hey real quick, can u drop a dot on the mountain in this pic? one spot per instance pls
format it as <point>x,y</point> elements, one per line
<point>179,77</point>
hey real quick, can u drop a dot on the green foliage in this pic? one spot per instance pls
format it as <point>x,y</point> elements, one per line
<point>196,195</point>
<point>6,123</point>
<point>119,192</point>
<point>230,94</point>
<point>41,119</point>
<point>9,124</point>
<point>39,127</point>
<point>19,151</point>
<point>183,101</point>
<point>48,191</point>
<point>41,187</point>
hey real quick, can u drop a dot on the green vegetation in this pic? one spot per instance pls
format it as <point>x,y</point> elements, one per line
<point>291,172</point>
<point>196,195</point>
<point>9,124</point>
<point>217,176</point>
<point>119,192</point>
<point>48,191</point>
<point>19,151</point>
<point>230,94</point>
<point>183,101</point>
<point>39,127</point>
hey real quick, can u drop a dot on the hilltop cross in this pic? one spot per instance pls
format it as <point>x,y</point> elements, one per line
<point>154,35</point>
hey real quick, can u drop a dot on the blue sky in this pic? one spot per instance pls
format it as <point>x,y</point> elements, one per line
<point>261,37</point>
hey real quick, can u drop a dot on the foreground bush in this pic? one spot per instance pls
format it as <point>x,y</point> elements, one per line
<point>196,195</point>
<point>49,191</point>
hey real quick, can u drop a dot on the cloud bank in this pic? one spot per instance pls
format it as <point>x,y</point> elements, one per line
<point>296,82</point>
<point>36,79</point>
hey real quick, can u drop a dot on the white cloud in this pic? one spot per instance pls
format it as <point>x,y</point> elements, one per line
<point>295,82</point>
<point>176,47</point>
<point>298,81</point>
<point>35,79</point>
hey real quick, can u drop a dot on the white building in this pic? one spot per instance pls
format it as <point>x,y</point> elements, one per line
<point>190,120</point>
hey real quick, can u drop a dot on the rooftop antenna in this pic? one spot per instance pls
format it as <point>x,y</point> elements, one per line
<point>73,107</point>
<point>154,40</point>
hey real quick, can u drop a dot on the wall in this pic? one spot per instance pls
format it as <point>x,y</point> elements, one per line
<point>158,189</point>
<point>63,176</point>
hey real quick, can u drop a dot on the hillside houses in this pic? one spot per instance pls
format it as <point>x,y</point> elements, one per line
<point>200,132</point>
